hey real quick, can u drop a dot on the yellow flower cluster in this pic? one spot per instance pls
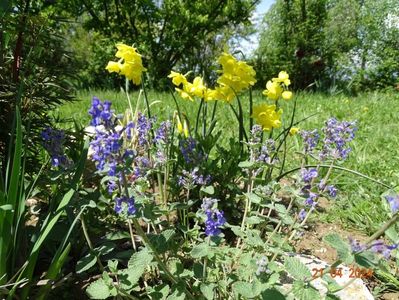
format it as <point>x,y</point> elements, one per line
<point>267,116</point>
<point>236,77</point>
<point>189,90</point>
<point>275,87</point>
<point>129,65</point>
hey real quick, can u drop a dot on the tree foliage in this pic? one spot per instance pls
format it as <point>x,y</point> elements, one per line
<point>34,67</point>
<point>351,44</point>
<point>171,34</point>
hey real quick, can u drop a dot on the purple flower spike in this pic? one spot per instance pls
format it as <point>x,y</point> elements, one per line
<point>308,174</point>
<point>302,214</point>
<point>129,202</point>
<point>214,217</point>
<point>53,142</point>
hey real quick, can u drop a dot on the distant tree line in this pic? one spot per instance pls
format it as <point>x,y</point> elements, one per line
<point>352,45</point>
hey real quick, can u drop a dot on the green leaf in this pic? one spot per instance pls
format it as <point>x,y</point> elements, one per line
<point>137,265</point>
<point>297,269</point>
<point>302,291</point>
<point>207,290</point>
<point>253,220</point>
<point>177,293</point>
<point>162,240</point>
<point>160,292</point>
<point>237,231</point>
<point>272,294</point>
<point>86,263</point>
<point>366,259</point>
<point>254,198</point>
<point>343,249</point>
<point>200,250</point>
<point>246,289</point>
<point>98,290</point>
<point>6,207</point>
<point>208,190</point>
<point>246,164</point>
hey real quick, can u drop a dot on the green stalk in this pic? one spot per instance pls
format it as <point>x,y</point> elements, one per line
<point>198,115</point>
<point>337,168</point>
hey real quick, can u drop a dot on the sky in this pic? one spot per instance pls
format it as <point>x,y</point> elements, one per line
<point>249,46</point>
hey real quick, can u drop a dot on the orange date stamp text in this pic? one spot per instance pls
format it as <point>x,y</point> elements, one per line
<point>354,272</point>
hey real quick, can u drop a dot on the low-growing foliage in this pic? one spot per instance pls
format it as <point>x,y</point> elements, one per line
<point>174,213</point>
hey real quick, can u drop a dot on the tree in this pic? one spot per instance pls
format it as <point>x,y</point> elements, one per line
<point>292,40</point>
<point>169,33</point>
<point>350,44</point>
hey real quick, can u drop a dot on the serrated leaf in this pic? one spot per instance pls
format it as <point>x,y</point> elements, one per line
<point>160,241</point>
<point>200,250</point>
<point>98,290</point>
<point>297,269</point>
<point>177,293</point>
<point>272,294</point>
<point>253,220</point>
<point>137,265</point>
<point>305,292</point>
<point>246,289</point>
<point>254,198</point>
<point>160,292</point>
<point>343,249</point>
<point>207,290</point>
<point>86,263</point>
<point>237,231</point>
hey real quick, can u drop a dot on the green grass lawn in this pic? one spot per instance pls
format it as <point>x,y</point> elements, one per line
<point>375,149</point>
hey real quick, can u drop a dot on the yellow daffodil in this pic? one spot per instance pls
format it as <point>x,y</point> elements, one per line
<point>283,77</point>
<point>130,64</point>
<point>177,78</point>
<point>287,95</point>
<point>273,90</point>
<point>184,94</point>
<point>236,76</point>
<point>294,130</point>
<point>197,88</point>
<point>179,124</point>
<point>267,116</point>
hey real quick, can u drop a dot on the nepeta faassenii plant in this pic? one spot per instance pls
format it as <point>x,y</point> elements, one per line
<point>162,180</point>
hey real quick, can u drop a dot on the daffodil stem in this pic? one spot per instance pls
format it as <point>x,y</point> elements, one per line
<point>198,115</point>
<point>251,121</point>
<point>148,106</point>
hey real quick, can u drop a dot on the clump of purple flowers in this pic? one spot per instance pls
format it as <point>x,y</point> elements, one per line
<point>308,174</point>
<point>189,179</point>
<point>214,217</point>
<point>377,247</point>
<point>129,203</point>
<point>162,134</point>
<point>310,139</point>
<point>393,203</point>
<point>108,138</point>
<point>188,148</point>
<point>53,142</point>
<point>144,126</point>
<point>302,214</point>
<point>337,135</point>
